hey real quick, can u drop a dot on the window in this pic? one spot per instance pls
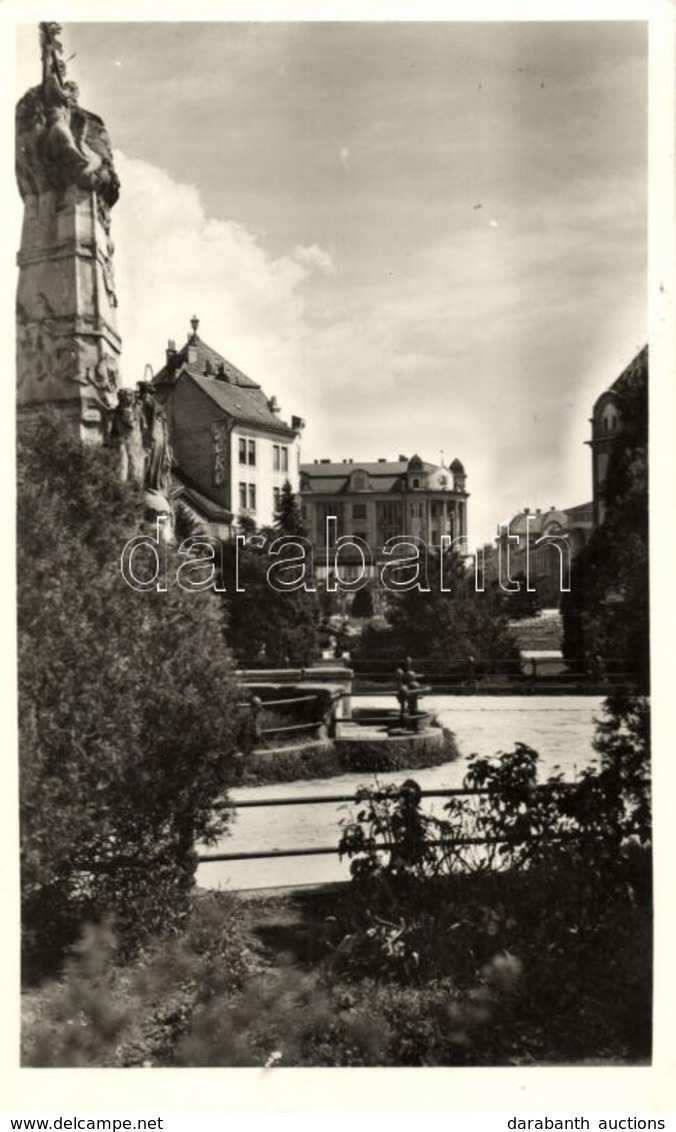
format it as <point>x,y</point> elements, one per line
<point>389,520</point>
<point>242,497</point>
<point>252,452</point>
<point>358,510</point>
<point>324,512</point>
<point>252,497</point>
<point>242,450</point>
<point>284,453</point>
<point>416,511</point>
<point>275,458</point>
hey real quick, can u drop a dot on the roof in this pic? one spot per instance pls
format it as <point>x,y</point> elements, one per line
<point>247,405</point>
<point>633,378</point>
<point>636,371</point>
<point>206,357</point>
<point>330,478</point>
<point>205,507</point>
<point>539,520</point>
<point>535,521</point>
<point>229,388</point>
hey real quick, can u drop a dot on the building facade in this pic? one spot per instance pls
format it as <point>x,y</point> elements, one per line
<point>535,544</point>
<point>232,450</point>
<point>609,421</point>
<point>375,502</point>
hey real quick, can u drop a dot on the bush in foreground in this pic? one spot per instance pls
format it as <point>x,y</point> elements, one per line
<point>127,710</point>
<point>537,952</point>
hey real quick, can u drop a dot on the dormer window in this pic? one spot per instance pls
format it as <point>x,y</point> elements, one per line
<point>359,481</point>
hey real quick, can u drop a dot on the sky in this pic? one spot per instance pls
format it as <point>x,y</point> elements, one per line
<point>421,237</point>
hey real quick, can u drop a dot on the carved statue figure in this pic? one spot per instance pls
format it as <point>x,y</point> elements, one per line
<point>155,439</point>
<point>57,142</point>
<point>126,435</point>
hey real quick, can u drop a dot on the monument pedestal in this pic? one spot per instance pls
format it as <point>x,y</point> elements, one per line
<point>66,334</point>
<point>67,342</point>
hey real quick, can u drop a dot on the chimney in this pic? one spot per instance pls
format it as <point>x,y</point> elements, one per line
<point>402,459</point>
<point>382,460</point>
<point>208,369</point>
<point>192,341</point>
<point>171,353</point>
<point>297,424</point>
<point>526,510</point>
<point>220,372</point>
<point>273,406</point>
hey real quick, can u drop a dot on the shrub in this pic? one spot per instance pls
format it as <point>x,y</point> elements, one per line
<point>107,1011</point>
<point>362,603</point>
<point>522,603</point>
<point>326,758</point>
<point>563,889</point>
<point>127,710</point>
<point>519,822</point>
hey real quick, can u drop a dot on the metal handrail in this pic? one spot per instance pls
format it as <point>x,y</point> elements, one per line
<point>322,799</point>
<point>321,850</point>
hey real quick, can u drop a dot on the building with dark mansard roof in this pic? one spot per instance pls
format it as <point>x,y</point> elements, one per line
<point>380,500</point>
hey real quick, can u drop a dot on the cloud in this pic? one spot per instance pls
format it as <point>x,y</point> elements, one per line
<point>314,257</point>
<point>173,260</point>
<point>489,342</point>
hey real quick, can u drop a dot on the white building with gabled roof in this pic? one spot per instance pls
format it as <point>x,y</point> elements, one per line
<point>232,450</point>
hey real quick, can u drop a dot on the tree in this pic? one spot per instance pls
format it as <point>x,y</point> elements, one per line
<point>447,625</point>
<point>128,716</point>
<point>362,603</point>
<point>265,626</point>
<point>288,516</point>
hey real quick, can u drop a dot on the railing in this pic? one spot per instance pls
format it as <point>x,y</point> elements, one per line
<point>378,676</point>
<point>321,714</point>
<point>327,799</point>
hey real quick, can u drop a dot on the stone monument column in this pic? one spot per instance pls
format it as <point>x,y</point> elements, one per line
<point>66,337</point>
